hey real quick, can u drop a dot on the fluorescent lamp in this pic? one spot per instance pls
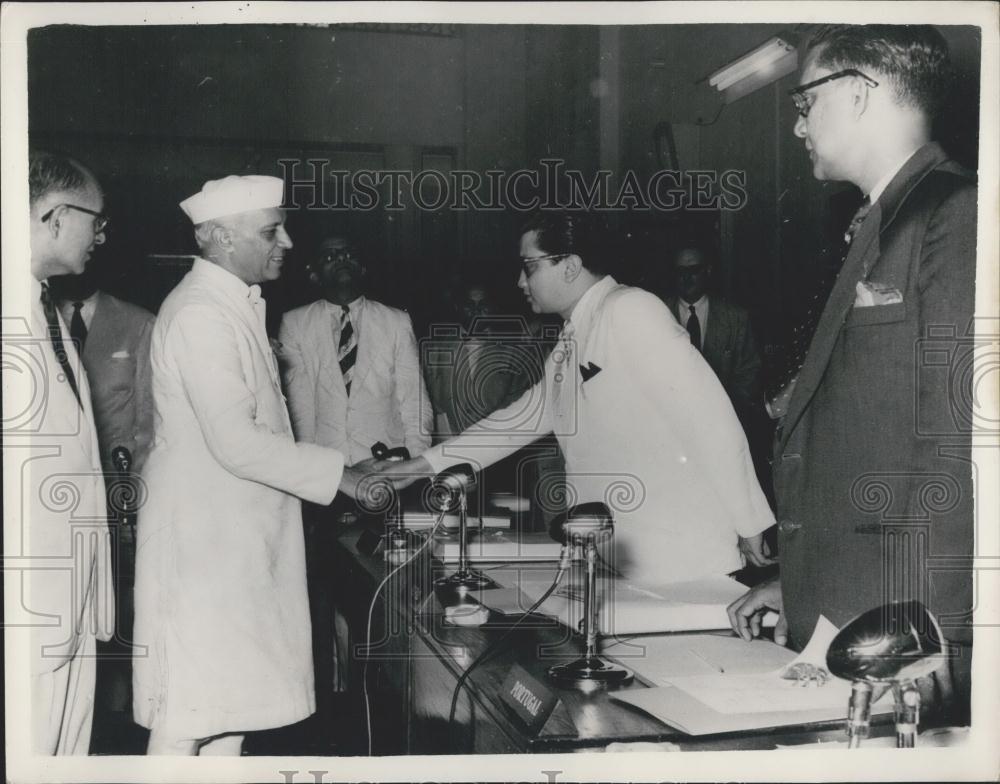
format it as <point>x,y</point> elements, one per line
<point>763,65</point>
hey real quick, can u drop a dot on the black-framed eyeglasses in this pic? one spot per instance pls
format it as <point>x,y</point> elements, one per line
<point>802,101</point>
<point>100,219</point>
<point>527,262</point>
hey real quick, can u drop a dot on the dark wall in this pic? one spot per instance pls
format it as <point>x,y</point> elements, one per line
<point>159,110</point>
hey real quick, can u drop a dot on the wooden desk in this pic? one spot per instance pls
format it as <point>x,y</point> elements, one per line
<point>417,660</point>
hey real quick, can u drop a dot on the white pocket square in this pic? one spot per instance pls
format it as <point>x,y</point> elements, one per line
<point>120,355</point>
<point>868,294</point>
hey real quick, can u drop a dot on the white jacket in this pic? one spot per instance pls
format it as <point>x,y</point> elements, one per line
<point>646,428</point>
<point>388,400</point>
<point>220,593</point>
<point>56,543</point>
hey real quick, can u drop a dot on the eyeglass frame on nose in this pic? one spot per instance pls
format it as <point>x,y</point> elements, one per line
<point>101,220</point>
<point>798,94</point>
<point>526,260</point>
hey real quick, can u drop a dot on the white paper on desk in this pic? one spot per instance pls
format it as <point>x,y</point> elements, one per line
<point>759,708</point>
<point>661,658</point>
<point>633,608</point>
<point>769,692</point>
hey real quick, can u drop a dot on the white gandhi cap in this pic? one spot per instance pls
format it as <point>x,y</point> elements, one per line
<point>233,194</point>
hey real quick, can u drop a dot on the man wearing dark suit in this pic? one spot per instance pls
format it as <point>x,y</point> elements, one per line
<point>720,330</point>
<point>114,339</point>
<point>872,464</point>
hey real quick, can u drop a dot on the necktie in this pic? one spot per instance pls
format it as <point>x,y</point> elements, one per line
<point>77,327</point>
<point>55,335</point>
<point>347,350</point>
<point>562,356</point>
<point>802,334</point>
<point>694,328</point>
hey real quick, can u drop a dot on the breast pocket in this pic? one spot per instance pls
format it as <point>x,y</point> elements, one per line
<point>876,314</point>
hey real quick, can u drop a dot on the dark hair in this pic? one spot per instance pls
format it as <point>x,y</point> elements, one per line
<point>913,57</point>
<point>52,173</point>
<point>706,247</point>
<point>570,231</point>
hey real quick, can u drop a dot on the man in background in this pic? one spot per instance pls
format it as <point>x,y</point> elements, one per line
<point>720,330</point>
<point>352,378</point>
<point>350,363</point>
<point>870,417</point>
<point>112,337</point>
<point>54,450</point>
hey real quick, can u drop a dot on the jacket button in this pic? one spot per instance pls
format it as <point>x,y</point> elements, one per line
<point>787,526</point>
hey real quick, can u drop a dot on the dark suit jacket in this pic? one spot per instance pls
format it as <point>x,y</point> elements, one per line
<point>872,471</point>
<point>116,357</point>
<point>730,350</point>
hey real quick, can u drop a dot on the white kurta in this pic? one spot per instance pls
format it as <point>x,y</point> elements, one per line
<point>646,427</point>
<point>220,594</point>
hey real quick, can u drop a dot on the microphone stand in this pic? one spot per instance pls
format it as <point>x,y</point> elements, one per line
<point>591,671</point>
<point>466,577</point>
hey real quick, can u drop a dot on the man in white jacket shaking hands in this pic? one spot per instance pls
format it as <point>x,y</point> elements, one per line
<point>222,617</point>
<point>643,422</point>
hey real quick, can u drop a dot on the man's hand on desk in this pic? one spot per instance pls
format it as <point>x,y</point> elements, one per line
<point>755,551</point>
<point>746,612</point>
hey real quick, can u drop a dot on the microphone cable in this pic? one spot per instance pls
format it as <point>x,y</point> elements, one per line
<point>371,611</point>
<point>564,562</point>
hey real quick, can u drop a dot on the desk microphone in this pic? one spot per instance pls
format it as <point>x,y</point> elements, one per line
<point>582,526</point>
<point>889,645</point>
<point>449,491</point>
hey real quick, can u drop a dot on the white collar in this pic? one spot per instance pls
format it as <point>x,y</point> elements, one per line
<point>227,281</point>
<point>584,307</point>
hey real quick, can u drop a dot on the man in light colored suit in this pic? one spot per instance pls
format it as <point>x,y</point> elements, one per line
<point>873,473</point>
<point>58,545</point>
<point>350,364</point>
<point>642,421</point>
<point>221,606</point>
<point>352,377</point>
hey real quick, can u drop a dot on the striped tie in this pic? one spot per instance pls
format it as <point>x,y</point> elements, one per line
<point>347,351</point>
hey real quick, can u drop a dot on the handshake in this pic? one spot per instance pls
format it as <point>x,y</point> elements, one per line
<point>373,483</point>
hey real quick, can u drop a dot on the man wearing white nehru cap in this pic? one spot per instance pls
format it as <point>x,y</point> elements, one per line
<point>222,614</point>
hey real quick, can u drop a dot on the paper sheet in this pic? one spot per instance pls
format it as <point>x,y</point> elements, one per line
<point>769,692</point>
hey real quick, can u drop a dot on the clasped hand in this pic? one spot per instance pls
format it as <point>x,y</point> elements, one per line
<point>372,481</point>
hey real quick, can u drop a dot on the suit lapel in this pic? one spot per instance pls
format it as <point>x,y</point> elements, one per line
<point>97,336</point>
<point>863,252</point>
<point>370,335</point>
<point>863,255</point>
<point>716,329</point>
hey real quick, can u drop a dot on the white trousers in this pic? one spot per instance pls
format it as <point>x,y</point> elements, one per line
<point>62,704</point>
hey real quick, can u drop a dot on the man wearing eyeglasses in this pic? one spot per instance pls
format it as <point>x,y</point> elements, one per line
<point>643,423</point>
<point>352,378</point>
<point>872,462</point>
<point>61,536</point>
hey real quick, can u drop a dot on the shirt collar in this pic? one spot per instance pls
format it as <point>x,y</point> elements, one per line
<point>227,281</point>
<point>354,305</point>
<point>579,319</point>
<point>702,300</point>
<point>882,184</point>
